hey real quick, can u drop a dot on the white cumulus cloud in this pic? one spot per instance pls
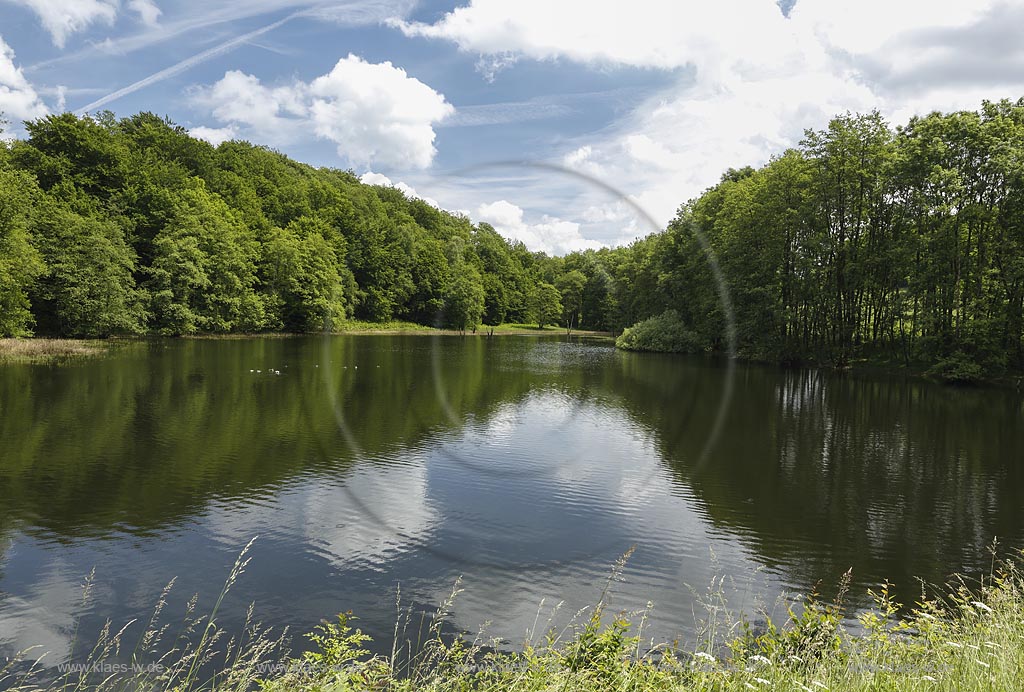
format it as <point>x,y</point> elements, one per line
<point>372,178</point>
<point>241,99</point>
<point>213,135</point>
<point>663,34</point>
<point>373,112</point>
<point>748,80</point>
<point>550,234</point>
<point>18,98</point>
<point>376,112</point>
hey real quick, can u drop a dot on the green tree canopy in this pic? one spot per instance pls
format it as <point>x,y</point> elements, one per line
<point>20,262</point>
<point>865,242</point>
<point>204,269</point>
<point>88,288</point>
<point>570,286</point>
<point>546,304</point>
<point>465,304</point>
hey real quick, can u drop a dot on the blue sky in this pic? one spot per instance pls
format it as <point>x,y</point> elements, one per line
<point>651,98</point>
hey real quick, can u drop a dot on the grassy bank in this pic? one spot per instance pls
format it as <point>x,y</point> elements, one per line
<point>402,328</point>
<point>55,351</point>
<point>964,636</point>
<point>399,327</point>
<point>50,350</point>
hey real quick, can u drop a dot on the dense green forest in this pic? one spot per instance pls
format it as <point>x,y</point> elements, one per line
<point>131,226</point>
<point>866,242</point>
<point>903,245</point>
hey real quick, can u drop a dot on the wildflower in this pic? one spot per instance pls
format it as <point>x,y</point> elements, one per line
<point>794,659</point>
<point>762,681</point>
<point>704,656</point>
<point>981,606</point>
<point>758,658</point>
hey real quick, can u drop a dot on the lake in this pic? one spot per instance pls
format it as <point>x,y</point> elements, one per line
<point>524,465</point>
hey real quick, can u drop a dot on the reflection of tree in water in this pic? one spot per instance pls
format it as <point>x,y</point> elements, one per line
<point>897,479</point>
<point>816,473</point>
<point>141,442</point>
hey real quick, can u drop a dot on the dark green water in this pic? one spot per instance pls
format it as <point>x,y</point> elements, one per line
<point>524,465</point>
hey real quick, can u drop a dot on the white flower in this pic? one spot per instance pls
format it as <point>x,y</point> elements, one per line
<point>760,659</point>
<point>704,656</point>
<point>981,606</point>
<point>762,681</point>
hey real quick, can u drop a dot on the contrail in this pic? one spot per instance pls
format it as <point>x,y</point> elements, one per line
<point>186,64</point>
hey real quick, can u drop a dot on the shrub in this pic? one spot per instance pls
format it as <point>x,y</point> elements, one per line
<point>958,368</point>
<point>665,333</point>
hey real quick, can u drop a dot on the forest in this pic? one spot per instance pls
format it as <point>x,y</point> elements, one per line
<point>131,226</point>
<point>868,242</point>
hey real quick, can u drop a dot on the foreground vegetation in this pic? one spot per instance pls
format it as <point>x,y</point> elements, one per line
<point>961,637</point>
<point>866,243</point>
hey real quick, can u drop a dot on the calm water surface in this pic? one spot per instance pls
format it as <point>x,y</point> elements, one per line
<point>524,465</point>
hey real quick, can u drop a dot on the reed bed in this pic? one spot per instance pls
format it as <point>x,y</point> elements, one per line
<point>49,350</point>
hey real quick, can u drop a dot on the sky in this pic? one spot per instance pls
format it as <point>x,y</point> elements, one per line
<point>567,124</point>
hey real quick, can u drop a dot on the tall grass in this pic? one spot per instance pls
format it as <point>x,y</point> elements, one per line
<point>161,657</point>
<point>961,636</point>
<point>400,327</point>
<point>391,326</point>
<point>49,350</point>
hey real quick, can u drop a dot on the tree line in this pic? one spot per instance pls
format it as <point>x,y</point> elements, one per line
<point>130,226</point>
<point>867,241</point>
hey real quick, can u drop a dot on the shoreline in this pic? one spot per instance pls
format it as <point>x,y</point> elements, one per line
<point>33,350</point>
<point>60,351</point>
<point>913,371</point>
